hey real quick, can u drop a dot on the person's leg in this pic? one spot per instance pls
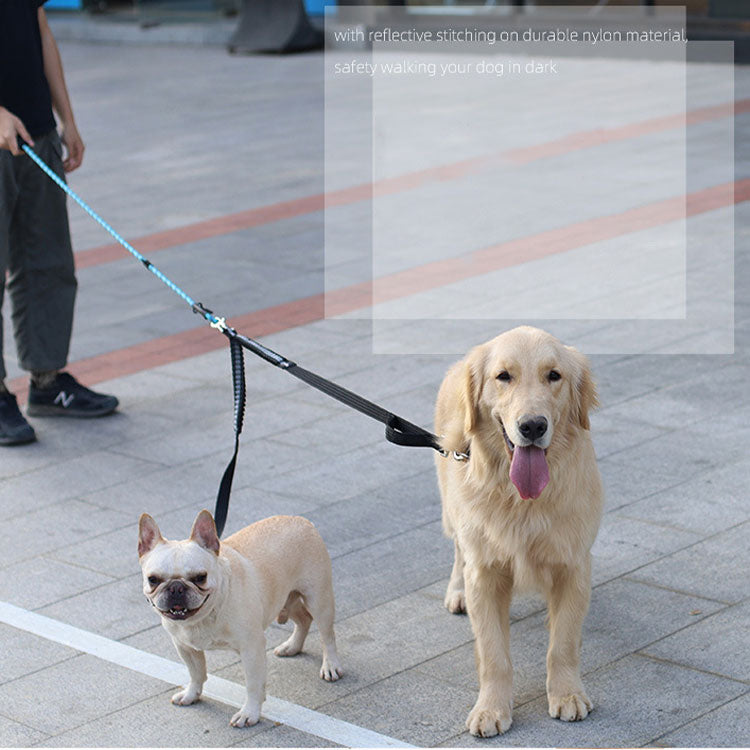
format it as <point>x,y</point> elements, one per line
<point>41,283</point>
<point>42,287</point>
<point>14,429</point>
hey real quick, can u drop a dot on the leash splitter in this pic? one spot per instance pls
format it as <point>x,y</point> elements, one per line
<point>398,430</point>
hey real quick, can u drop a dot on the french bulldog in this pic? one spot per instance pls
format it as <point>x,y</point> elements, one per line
<point>223,595</point>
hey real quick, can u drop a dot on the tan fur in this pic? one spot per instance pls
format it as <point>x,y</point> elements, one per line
<point>275,568</point>
<point>504,543</point>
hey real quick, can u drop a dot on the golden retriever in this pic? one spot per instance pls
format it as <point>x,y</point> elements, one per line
<point>523,507</point>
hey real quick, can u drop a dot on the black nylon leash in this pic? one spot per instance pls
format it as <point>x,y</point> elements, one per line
<point>397,429</point>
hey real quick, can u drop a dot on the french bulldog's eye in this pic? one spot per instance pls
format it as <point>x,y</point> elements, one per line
<point>153,580</point>
<point>553,376</point>
<point>504,376</point>
<point>199,579</point>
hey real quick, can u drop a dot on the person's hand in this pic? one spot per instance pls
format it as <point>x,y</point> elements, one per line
<point>10,128</point>
<point>74,147</point>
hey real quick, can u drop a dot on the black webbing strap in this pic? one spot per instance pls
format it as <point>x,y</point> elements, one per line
<point>397,430</point>
<point>238,381</point>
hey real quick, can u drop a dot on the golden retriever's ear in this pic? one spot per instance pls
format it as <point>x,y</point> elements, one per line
<point>471,385</point>
<point>584,390</point>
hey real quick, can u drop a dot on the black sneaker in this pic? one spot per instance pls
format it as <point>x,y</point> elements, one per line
<point>14,429</point>
<point>66,397</point>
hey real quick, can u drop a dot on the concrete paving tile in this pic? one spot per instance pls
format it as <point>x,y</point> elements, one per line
<point>714,568</point>
<point>70,478</point>
<point>623,545</point>
<point>332,435</point>
<point>625,484</point>
<point>212,368</point>
<point>74,692</point>
<point>113,554</point>
<point>409,706</point>
<point>350,474</point>
<point>390,568</point>
<point>145,387</point>
<point>13,734</point>
<point>167,489</point>
<point>713,502</point>
<point>614,429</point>
<point>156,722</point>
<point>656,465</point>
<point>115,610</point>
<point>386,376</point>
<point>387,511</point>
<point>717,644</point>
<point>24,653</point>
<point>180,444</point>
<point>635,701</point>
<point>660,403</point>
<point>55,526</point>
<point>195,404</point>
<point>283,736</point>
<point>327,334</point>
<point>133,422</point>
<point>726,726</point>
<point>35,583</point>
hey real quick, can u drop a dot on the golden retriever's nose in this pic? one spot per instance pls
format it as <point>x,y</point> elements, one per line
<point>532,428</point>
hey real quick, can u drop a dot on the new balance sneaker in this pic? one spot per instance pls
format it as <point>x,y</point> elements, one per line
<point>14,429</point>
<point>66,397</point>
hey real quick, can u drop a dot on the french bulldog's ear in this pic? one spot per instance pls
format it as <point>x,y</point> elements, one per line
<point>148,534</point>
<point>204,532</point>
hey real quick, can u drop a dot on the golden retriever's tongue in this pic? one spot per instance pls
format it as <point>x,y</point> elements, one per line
<point>528,471</point>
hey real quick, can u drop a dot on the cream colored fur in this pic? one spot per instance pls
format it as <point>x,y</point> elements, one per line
<point>275,568</point>
<point>504,543</point>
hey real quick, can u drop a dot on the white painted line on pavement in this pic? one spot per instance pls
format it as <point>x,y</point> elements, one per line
<point>114,652</point>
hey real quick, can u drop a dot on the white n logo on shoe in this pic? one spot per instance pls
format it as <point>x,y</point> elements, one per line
<point>64,399</point>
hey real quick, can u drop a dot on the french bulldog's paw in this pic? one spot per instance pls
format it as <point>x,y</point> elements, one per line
<point>186,696</point>
<point>455,601</point>
<point>572,707</point>
<point>487,722</point>
<point>246,716</point>
<point>331,670</point>
<point>287,648</point>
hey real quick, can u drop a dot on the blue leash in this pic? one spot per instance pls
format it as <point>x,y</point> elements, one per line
<point>95,216</point>
<point>397,430</point>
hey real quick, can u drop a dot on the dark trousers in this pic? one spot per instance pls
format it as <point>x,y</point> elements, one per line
<point>35,251</point>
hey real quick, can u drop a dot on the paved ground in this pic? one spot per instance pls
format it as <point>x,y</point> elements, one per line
<point>185,137</point>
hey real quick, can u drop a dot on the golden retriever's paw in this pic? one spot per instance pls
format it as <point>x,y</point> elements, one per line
<point>487,722</point>
<point>455,601</point>
<point>573,707</point>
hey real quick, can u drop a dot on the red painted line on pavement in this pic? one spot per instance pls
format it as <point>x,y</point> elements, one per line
<point>590,138</point>
<point>254,217</point>
<point>267,321</point>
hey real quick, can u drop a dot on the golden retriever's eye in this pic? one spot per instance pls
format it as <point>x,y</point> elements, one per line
<point>153,580</point>
<point>554,375</point>
<point>504,376</point>
<point>199,579</point>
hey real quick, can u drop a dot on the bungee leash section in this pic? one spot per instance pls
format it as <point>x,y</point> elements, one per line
<point>397,430</point>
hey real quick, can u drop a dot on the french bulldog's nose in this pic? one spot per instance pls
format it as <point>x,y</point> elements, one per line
<point>176,588</point>
<point>532,428</point>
